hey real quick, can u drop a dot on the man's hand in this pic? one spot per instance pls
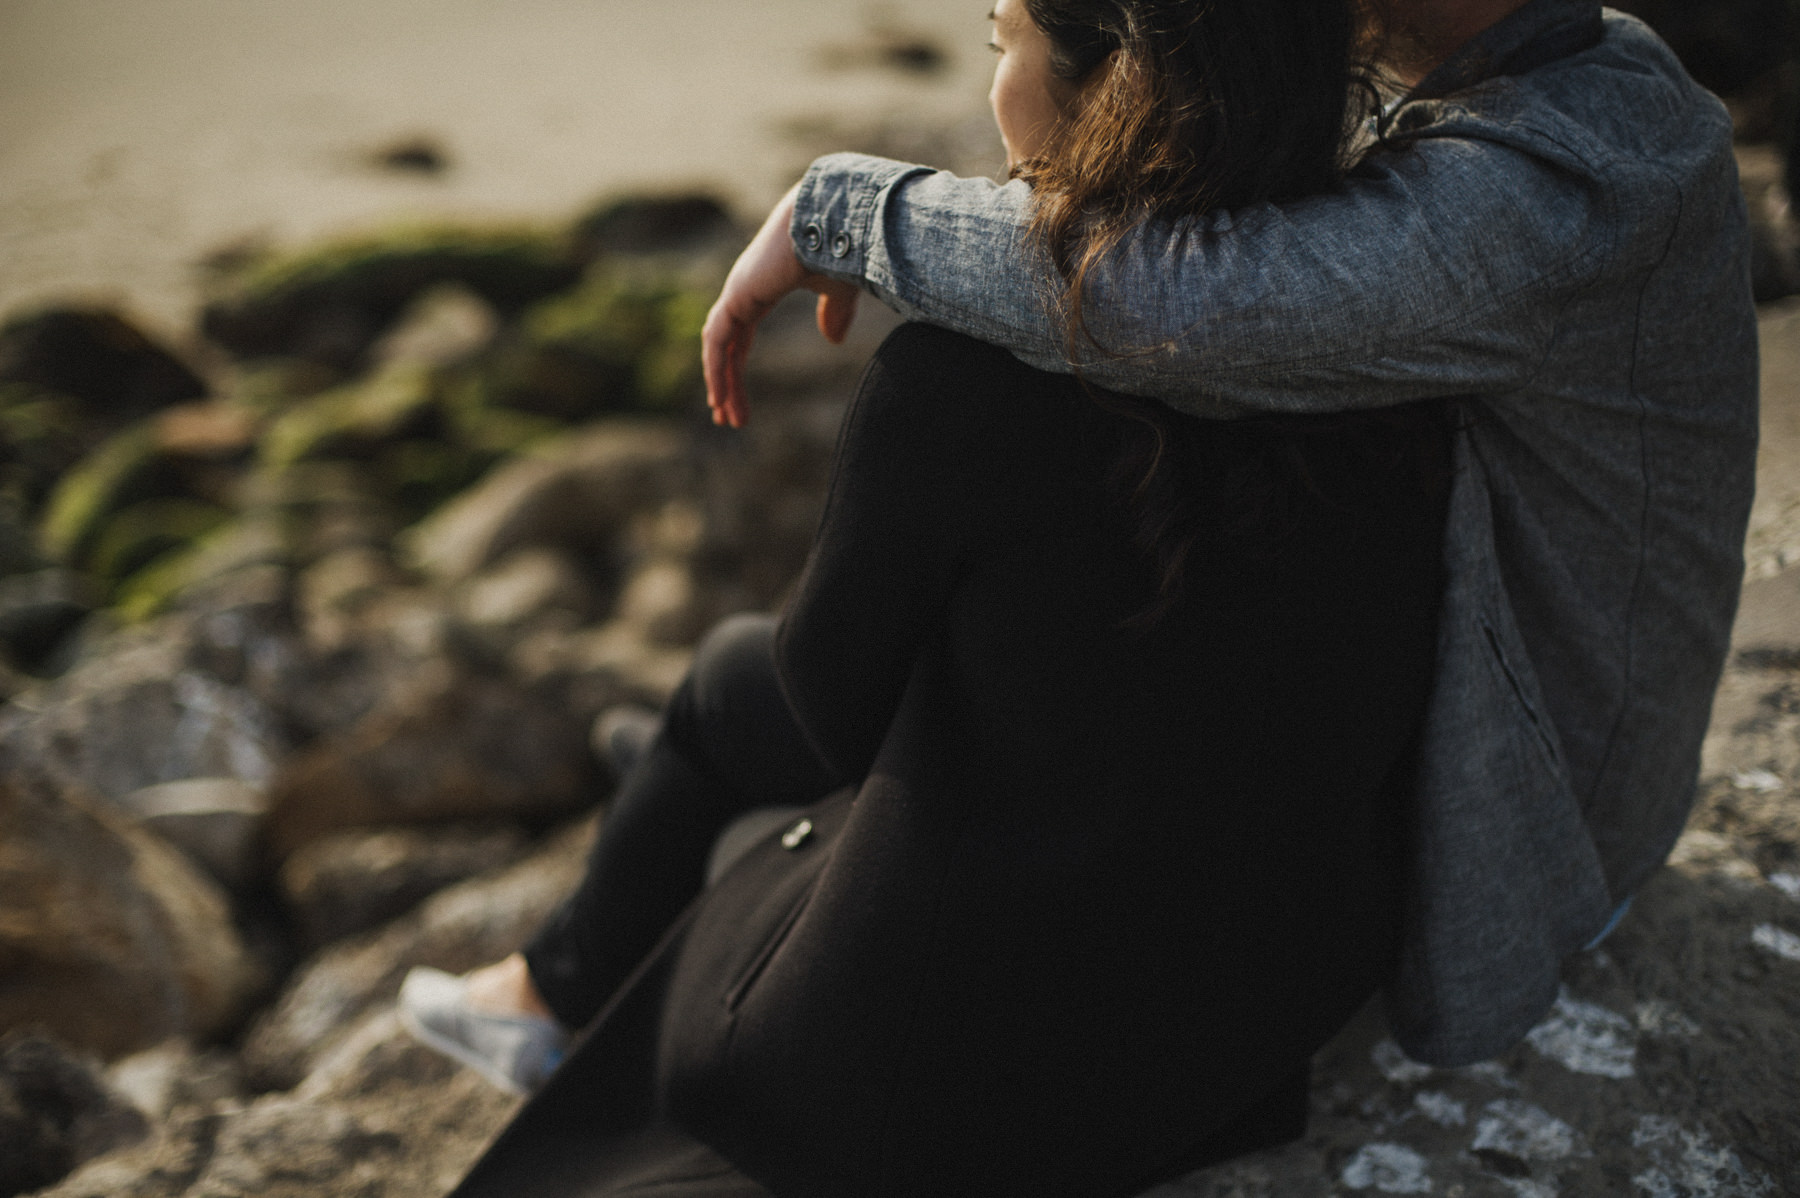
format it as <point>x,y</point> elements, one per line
<point>764,273</point>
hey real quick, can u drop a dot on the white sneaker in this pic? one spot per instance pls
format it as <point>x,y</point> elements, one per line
<point>515,1052</point>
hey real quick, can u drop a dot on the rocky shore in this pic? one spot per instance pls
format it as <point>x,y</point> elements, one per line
<point>303,636</point>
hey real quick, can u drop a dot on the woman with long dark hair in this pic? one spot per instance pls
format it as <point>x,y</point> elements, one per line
<point>1099,723</point>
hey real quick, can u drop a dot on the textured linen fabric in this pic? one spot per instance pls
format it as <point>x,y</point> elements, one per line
<point>1103,887</point>
<point>1554,234</point>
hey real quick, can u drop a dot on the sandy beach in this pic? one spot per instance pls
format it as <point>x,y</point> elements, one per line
<point>138,135</point>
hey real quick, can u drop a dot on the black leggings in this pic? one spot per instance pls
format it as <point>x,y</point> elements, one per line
<point>728,744</point>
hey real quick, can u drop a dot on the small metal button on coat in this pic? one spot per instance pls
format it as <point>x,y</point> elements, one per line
<point>812,237</point>
<point>840,245</point>
<point>797,835</point>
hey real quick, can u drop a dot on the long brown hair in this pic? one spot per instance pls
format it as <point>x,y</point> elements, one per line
<point>1191,105</point>
<point>1183,107</point>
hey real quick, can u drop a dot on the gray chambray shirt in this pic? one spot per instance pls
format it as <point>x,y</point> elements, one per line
<point>1555,237</point>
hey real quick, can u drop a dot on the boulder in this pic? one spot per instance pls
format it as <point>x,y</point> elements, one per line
<point>55,1112</point>
<point>479,747</point>
<point>352,421</point>
<point>349,882</point>
<point>174,1075</point>
<point>112,940</point>
<point>443,326</point>
<point>38,610</point>
<point>139,712</point>
<point>330,304</point>
<point>577,493</point>
<point>528,587</point>
<point>216,823</point>
<point>97,357</point>
<point>42,434</point>
<point>380,1117</point>
<point>457,929</point>
<point>120,471</point>
<point>624,340</point>
<point>677,222</point>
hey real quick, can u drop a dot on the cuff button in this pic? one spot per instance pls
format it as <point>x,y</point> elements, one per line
<point>797,835</point>
<point>812,237</point>
<point>840,245</point>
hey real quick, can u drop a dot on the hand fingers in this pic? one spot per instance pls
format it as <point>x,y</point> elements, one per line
<point>836,312</point>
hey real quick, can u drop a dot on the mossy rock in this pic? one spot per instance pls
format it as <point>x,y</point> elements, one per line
<point>621,342</point>
<point>138,535</point>
<point>255,539</point>
<point>675,222</point>
<point>97,357</point>
<point>124,468</point>
<point>419,474</point>
<point>330,304</point>
<point>354,421</point>
<point>42,434</point>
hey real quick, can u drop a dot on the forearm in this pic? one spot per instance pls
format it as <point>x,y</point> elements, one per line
<point>1422,279</point>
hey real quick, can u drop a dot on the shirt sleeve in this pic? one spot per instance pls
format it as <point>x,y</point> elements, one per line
<point>1435,268</point>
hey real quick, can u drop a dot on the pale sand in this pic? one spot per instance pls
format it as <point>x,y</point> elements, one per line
<point>137,135</point>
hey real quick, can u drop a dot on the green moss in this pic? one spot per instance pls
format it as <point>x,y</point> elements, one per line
<point>352,421</point>
<point>42,434</point>
<point>491,256</point>
<point>622,341</point>
<point>146,531</point>
<point>88,493</point>
<point>258,539</point>
<point>329,303</point>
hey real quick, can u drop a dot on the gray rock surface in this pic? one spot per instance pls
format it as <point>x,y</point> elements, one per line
<point>140,715</point>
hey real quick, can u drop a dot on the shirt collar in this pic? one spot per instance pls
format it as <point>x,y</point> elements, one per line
<point>1540,32</point>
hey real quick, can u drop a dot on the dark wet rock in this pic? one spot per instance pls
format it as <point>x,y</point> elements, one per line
<point>346,883</point>
<point>479,747</point>
<point>457,929</point>
<point>55,1113</point>
<point>577,493</point>
<point>98,358</point>
<point>217,824</point>
<point>37,611</point>
<point>413,155</point>
<point>331,304</point>
<point>656,224</point>
<point>889,47</point>
<point>111,940</point>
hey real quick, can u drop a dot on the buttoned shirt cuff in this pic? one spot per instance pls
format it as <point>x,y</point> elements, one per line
<point>835,230</point>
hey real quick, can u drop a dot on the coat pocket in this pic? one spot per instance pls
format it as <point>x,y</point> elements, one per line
<point>759,961</point>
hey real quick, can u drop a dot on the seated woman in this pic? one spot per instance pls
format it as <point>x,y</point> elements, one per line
<point>1102,719</point>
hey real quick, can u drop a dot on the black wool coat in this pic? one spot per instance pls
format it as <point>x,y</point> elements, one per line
<point>1107,882</point>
